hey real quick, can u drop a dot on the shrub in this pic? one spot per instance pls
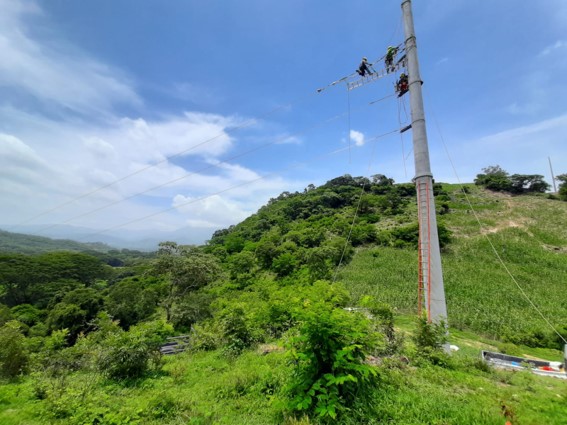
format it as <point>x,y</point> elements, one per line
<point>429,340</point>
<point>132,354</point>
<point>328,355</point>
<point>192,308</point>
<point>236,334</point>
<point>562,192</point>
<point>206,335</point>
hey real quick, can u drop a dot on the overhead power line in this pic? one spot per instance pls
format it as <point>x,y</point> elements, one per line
<point>207,167</point>
<point>193,201</point>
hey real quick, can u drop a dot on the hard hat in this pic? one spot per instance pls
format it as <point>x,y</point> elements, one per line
<point>364,58</point>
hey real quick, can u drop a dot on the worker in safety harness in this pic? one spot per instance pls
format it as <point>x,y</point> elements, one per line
<point>389,61</point>
<point>402,86</point>
<point>364,68</point>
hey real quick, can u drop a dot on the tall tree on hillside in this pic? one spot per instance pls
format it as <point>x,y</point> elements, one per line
<point>184,269</point>
<point>495,178</point>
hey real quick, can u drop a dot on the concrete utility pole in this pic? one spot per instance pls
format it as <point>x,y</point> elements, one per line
<point>431,289</point>
<point>552,176</point>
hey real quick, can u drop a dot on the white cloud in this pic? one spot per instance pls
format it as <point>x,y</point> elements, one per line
<point>98,172</point>
<point>288,140</point>
<point>62,161</point>
<point>21,167</point>
<point>212,212</point>
<point>193,93</point>
<point>357,137</point>
<point>559,44</point>
<point>54,73</point>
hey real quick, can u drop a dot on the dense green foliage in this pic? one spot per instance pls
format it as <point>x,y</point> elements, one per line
<point>299,314</point>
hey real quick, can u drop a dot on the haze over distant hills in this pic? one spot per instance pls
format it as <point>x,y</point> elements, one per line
<point>27,238</point>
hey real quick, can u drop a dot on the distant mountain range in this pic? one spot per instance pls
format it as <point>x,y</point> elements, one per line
<point>28,239</point>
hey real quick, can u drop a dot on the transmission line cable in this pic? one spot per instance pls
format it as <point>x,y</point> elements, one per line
<point>216,165</point>
<point>246,124</point>
<point>222,191</point>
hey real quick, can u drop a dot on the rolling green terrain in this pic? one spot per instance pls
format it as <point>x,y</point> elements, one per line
<point>273,339</point>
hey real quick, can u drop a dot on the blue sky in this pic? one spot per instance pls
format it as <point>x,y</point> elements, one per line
<point>174,119</point>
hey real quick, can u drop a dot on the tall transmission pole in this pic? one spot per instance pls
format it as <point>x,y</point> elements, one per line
<point>552,175</point>
<point>431,292</point>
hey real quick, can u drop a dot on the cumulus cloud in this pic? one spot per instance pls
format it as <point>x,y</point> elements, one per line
<point>357,137</point>
<point>211,212</point>
<point>60,166</point>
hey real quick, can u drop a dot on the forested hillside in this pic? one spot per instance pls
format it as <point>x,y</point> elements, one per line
<point>303,313</point>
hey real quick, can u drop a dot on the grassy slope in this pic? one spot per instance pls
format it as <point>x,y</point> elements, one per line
<point>528,234</point>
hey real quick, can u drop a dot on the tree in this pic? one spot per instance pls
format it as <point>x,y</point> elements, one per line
<point>528,183</point>
<point>129,302</point>
<point>33,280</point>
<point>562,186</point>
<point>184,269</point>
<point>75,311</point>
<point>494,178</point>
<point>382,180</point>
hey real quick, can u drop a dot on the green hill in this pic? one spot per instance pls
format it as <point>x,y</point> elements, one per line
<point>498,243</point>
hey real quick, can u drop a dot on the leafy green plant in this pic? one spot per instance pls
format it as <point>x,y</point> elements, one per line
<point>429,339</point>
<point>328,355</point>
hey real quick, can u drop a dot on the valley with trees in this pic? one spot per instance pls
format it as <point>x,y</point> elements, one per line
<point>303,313</point>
